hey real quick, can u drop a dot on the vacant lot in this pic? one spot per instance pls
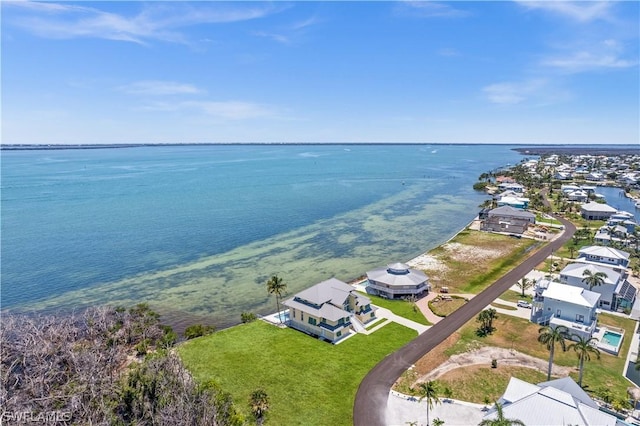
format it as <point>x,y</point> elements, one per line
<point>478,380</point>
<point>473,260</point>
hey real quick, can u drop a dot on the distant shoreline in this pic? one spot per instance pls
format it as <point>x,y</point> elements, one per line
<point>524,149</point>
<point>581,150</point>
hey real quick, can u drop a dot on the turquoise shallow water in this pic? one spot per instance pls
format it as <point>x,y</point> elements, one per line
<point>197,230</point>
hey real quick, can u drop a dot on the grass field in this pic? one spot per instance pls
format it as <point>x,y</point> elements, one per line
<point>514,296</point>
<point>442,307</point>
<point>309,382</point>
<point>402,308</point>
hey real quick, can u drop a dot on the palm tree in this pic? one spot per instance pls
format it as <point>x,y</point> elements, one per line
<point>429,391</point>
<point>500,420</point>
<point>486,318</point>
<point>524,284</point>
<point>593,279</point>
<point>276,286</point>
<point>259,403</point>
<point>549,336</point>
<point>583,349</point>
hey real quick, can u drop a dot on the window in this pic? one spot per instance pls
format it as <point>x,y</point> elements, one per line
<point>339,333</point>
<point>301,316</point>
<point>312,321</point>
<point>579,318</point>
<point>558,313</point>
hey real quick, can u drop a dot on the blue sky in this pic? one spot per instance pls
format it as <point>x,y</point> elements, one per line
<point>436,72</point>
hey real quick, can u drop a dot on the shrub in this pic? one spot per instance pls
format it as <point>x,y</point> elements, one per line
<point>479,186</point>
<point>246,317</point>
<point>198,330</point>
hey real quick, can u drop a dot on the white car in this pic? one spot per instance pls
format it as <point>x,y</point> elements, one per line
<point>524,304</point>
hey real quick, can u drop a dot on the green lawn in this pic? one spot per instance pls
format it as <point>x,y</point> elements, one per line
<point>309,382</point>
<point>514,296</point>
<point>402,308</point>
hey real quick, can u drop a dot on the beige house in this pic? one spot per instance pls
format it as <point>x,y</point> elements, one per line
<point>330,310</point>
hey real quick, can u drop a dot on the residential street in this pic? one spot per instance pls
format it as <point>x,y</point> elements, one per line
<point>373,393</point>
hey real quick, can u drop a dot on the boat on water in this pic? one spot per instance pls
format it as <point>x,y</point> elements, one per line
<point>638,205</point>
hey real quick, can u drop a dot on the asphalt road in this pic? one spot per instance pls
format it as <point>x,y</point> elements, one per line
<point>371,399</point>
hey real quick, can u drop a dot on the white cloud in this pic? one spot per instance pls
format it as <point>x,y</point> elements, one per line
<point>428,9</point>
<point>280,38</point>
<point>227,110</point>
<point>159,88</point>
<point>585,61</point>
<point>448,52</point>
<point>157,21</point>
<point>583,11</point>
<point>511,93</point>
<point>603,55</point>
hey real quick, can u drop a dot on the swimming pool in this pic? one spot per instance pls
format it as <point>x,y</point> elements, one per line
<point>611,338</point>
<point>610,341</point>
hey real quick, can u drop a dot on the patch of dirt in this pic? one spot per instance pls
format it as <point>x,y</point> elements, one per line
<point>469,253</point>
<point>428,262</point>
<point>484,356</point>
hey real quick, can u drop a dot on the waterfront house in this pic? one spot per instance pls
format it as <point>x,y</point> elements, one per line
<point>556,304</point>
<point>397,281</point>
<point>616,293</point>
<point>521,203</point>
<point>508,219</point>
<point>329,310</point>
<point>511,186</point>
<point>578,195</point>
<point>617,259</point>
<point>556,402</point>
<point>594,177</point>
<point>596,211</point>
<point>560,175</point>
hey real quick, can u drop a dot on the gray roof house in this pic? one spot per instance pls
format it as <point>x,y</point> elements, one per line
<point>508,219</point>
<point>556,402</point>
<point>397,281</point>
<point>616,293</point>
<point>597,211</point>
<point>329,310</point>
<point>608,256</point>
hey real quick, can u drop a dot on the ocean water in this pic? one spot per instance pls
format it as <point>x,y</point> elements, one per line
<point>196,231</point>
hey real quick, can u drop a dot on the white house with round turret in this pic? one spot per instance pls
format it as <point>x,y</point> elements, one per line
<point>397,281</point>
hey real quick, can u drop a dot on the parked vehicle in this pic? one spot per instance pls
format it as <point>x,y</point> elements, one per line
<point>524,304</point>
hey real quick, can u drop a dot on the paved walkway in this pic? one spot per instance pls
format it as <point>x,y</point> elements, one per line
<point>391,317</point>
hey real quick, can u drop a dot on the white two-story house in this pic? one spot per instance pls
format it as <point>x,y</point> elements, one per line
<point>607,256</point>
<point>557,304</point>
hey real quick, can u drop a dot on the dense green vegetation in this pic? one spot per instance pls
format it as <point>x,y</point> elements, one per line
<point>308,381</point>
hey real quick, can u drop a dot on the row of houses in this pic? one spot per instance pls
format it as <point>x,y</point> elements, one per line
<point>332,310</point>
<point>567,300</point>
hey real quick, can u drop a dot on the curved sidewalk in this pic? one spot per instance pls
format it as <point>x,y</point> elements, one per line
<point>373,393</point>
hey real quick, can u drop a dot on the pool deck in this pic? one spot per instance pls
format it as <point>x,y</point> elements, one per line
<point>599,334</point>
